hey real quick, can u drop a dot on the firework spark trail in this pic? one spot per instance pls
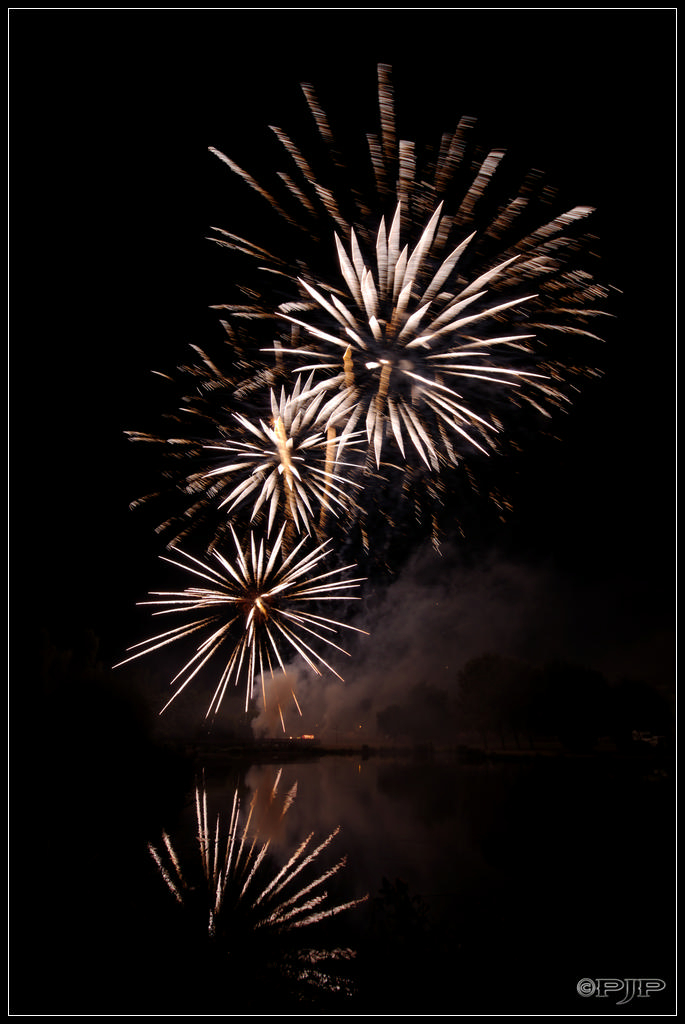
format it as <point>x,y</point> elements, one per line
<point>220,870</point>
<point>173,888</point>
<point>254,603</point>
<point>226,871</point>
<point>293,906</point>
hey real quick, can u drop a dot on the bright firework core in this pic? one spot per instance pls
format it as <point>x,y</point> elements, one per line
<point>256,608</point>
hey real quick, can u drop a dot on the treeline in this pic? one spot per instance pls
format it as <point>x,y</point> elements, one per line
<point>507,700</point>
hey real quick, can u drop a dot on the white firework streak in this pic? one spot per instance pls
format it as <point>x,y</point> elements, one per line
<point>230,865</point>
<point>254,604</point>
<point>405,330</point>
<point>415,186</point>
<point>290,465</point>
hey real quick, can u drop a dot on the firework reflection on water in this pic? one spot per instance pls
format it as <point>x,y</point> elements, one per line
<point>252,898</point>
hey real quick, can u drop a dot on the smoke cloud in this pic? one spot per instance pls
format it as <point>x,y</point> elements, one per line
<point>438,615</point>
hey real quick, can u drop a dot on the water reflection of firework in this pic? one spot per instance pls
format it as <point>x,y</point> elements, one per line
<point>253,607</point>
<point>243,902</point>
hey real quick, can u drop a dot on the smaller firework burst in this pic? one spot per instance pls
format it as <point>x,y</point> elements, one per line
<point>290,466</point>
<point>208,394</point>
<point>251,606</point>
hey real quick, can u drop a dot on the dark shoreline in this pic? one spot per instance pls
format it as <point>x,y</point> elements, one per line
<point>291,750</point>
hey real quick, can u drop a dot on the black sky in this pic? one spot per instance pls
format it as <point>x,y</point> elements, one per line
<point>112,193</point>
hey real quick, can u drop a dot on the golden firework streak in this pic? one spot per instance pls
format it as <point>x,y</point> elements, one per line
<point>331,441</point>
<point>282,442</point>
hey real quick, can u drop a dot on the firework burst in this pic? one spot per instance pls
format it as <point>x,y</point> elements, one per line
<point>277,456</point>
<point>398,348</point>
<point>208,392</point>
<point>291,465</point>
<point>449,293</point>
<point>252,607</point>
<point>430,311</point>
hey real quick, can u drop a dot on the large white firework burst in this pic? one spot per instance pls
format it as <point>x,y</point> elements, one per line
<point>250,609</point>
<point>452,293</point>
<point>398,344</point>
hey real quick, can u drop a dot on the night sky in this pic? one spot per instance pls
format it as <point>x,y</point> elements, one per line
<point>112,195</point>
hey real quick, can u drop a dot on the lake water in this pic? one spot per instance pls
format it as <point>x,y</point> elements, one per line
<point>492,887</point>
<point>496,885</point>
